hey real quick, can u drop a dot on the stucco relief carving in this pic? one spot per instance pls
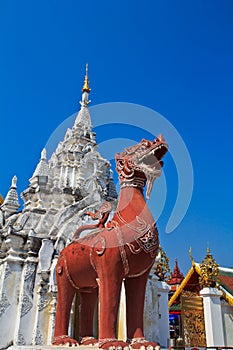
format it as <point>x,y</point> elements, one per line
<point>7,272</point>
<point>38,338</point>
<point>44,301</point>
<point>26,305</point>
<point>30,271</point>
<point>21,340</point>
<point>4,304</point>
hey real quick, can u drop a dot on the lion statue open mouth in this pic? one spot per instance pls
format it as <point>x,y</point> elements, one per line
<point>144,158</point>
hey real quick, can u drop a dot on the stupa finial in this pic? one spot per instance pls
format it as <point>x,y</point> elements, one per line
<point>86,87</point>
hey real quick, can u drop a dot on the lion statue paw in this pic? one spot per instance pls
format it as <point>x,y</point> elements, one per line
<point>143,344</point>
<point>64,340</point>
<point>88,341</point>
<point>113,344</point>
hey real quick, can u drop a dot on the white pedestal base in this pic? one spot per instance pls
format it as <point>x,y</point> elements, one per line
<point>213,316</point>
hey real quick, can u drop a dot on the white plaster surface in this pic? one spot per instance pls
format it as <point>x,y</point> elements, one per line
<point>213,316</point>
<point>227,317</point>
<point>151,314</point>
<point>164,335</point>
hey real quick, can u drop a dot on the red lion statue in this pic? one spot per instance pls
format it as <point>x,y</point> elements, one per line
<point>123,250</point>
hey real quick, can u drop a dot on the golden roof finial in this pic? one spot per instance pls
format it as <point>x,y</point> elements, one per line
<point>191,256</point>
<point>86,87</point>
<point>161,268</point>
<point>209,270</point>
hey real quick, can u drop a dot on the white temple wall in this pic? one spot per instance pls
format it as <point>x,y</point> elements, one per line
<point>212,316</point>
<point>156,316</point>
<point>121,326</point>
<point>227,318</point>
<point>151,312</point>
<point>164,333</point>
<point>26,304</point>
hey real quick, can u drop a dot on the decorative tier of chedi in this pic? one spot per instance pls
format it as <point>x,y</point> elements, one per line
<point>121,251</point>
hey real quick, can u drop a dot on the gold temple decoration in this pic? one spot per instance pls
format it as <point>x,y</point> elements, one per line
<point>189,293</point>
<point>1,199</point>
<point>209,271</point>
<point>86,87</point>
<point>193,324</point>
<point>162,269</point>
<point>191,255</point>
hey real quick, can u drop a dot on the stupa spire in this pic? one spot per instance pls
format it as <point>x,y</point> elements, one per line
<point>83,117</point>
<point>86,87</point>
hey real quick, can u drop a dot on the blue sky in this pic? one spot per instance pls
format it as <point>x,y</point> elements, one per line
<point>175,57</point>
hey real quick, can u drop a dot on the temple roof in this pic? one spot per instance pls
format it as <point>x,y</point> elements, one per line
<point>191,282</point>
<point>176,276</point>
<point>226,282</point>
